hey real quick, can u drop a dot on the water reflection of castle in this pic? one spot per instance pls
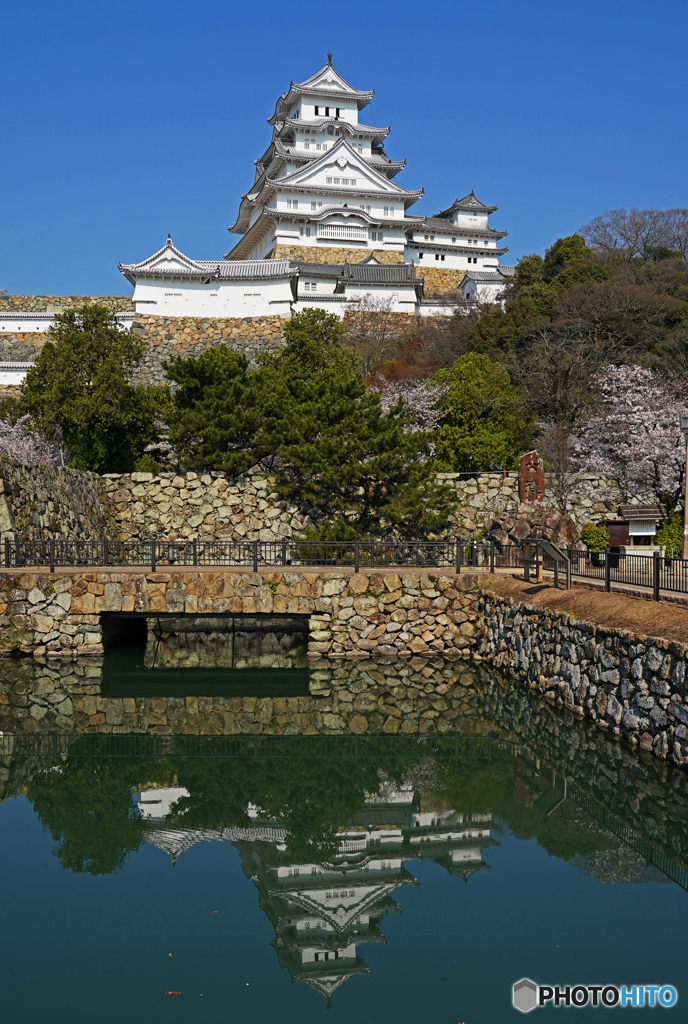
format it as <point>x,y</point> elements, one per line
<point>323,912</point>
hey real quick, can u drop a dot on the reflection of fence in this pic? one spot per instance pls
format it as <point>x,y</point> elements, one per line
<point>360,554</point>
<point>57,746</point>
<point>647,849</point>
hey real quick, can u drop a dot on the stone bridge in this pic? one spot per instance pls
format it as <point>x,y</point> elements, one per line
<point>349,614</point>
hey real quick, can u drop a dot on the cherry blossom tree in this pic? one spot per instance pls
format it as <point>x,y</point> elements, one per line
<point>422,399</point>
<point>636,436</point>
<point>20,444</point>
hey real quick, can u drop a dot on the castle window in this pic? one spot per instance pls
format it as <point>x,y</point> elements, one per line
<point>453,240</point>
<point>318,146</point>
<point>437,255</point>
<point>327,111</point>
<point>420,255</point>
<point>338,111</point>
<point>306,145</point>
<point>311,286</point>
<point>317,111</point>
<point>442,256</point>
<point>308,235</point>
<point>314,206</point>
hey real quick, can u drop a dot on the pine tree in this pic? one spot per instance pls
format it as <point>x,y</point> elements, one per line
<point>305,415</point>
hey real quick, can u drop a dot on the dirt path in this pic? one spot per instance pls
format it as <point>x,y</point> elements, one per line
<point>614,610</point>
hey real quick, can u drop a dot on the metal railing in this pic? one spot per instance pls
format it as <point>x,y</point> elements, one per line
<point>154,554</point>
<point>650,572</point>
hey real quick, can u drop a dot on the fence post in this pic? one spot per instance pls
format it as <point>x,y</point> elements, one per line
<point>372,552</point>
<point>607,572</point>
<point>474,556</point>
<point>655,575</point>
<point>284,550</point>
<point>106,552</point>
<point>356,555</point>
<point>556,573</point>
<point>459,552</point>
<point>52,554</point>
<point>194,548</point>
<point>8,555</point>
<point>153,555</point>
<point>492,546</point>
<point>568,570</point>
<point>255,556</point>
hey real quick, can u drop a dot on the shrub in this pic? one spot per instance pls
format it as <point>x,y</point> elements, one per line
<point>596,538</point>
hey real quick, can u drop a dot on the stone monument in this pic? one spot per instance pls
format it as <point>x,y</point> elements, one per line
<point>531,478</point>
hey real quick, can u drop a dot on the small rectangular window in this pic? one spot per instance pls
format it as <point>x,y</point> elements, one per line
<point>442,257</point>
<point>317,111</point>
<point>308,235</point>
<point>338,111</point>
<point>327,111</point>
<point>437,256</point>
<point>328,180</point>
<point>314,206</point>
<point>420,255</point>
<point>306,145</point>
<point>324,145</point>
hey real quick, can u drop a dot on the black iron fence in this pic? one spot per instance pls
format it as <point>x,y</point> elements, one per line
<point>650,572</point>
<point>154,554</point>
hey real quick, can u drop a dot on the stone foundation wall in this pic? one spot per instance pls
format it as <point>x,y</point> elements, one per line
<point>632,686</point>
<point>21,347</point>
<point>491,495</point>
<point>59,303</point>
<point>440,281</point>
<point>47,501</point>
<point>190,336</point>
<point>206,506</point>
<point>330,254</point>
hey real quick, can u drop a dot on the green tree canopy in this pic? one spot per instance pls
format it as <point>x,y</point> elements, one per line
<point>79,386</point>
<point>486,424</point>
<point>306,415</point>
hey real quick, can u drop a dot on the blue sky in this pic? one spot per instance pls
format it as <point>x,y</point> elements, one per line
<point>123,121</point>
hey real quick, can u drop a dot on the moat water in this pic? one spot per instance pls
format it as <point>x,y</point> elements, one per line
<point>166,853</point>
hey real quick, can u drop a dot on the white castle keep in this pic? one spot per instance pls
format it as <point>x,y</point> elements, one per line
<point>325,224</point>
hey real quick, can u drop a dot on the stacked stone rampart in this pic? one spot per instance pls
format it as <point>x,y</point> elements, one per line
<point>440,281</point>
<point>59,303</point>
<point>633,686</point>
<point>334,255</point>
<point>207,505</point>
<point>190,336</point>
<point>40,502</point>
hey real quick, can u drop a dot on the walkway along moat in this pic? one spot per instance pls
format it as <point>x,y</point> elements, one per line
<point>630,685</point>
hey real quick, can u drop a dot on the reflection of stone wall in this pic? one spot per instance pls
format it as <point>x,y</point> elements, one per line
<point>410,697</point>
